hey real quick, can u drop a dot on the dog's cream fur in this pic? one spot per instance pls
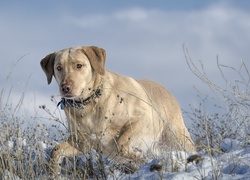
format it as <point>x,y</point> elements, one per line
<point>130,119</point>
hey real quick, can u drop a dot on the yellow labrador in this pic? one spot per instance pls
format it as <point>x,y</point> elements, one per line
<point>113,114</point>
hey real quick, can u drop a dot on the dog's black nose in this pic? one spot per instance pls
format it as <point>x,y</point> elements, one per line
<point>66,88</point>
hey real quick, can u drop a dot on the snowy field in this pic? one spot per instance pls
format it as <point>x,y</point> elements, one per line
<point>234,163</point>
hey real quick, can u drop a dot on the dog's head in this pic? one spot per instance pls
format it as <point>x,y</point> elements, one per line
<point>75,69</point>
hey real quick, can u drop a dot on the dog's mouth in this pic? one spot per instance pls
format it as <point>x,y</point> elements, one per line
<point>68,97</point>
<point>73,96</point>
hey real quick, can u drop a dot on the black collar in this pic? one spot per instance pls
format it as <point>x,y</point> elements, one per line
<point>81,103</point>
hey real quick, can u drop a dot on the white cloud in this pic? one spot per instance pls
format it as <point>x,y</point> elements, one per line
<point>135,15</point>
<point>92,21</point>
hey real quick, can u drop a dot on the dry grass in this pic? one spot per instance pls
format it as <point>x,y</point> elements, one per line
<point>230,115</point>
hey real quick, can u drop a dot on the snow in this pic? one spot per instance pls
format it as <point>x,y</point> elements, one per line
<point>233,164</point>
<point>228,144</point>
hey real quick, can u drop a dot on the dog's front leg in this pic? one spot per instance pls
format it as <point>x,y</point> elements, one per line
<point>58,153</point>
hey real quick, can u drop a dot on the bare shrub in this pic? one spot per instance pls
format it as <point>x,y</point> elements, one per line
<point>230,117</point>
<point>25,146</point>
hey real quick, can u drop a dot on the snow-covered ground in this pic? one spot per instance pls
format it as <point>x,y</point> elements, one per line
<point>234,164</point>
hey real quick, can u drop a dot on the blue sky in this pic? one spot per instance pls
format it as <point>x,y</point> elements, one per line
<point>143,39</point>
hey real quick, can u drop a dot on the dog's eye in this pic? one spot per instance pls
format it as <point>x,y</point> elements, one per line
<point>79,66</point>
<point>59,68</point>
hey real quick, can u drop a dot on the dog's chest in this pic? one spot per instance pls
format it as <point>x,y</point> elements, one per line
<point>85,121</point>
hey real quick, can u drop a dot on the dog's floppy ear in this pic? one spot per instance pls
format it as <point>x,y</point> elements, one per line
<point>47,65</point>
<point>97,58</point>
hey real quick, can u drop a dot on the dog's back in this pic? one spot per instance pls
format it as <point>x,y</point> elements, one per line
<point>167,110</point>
